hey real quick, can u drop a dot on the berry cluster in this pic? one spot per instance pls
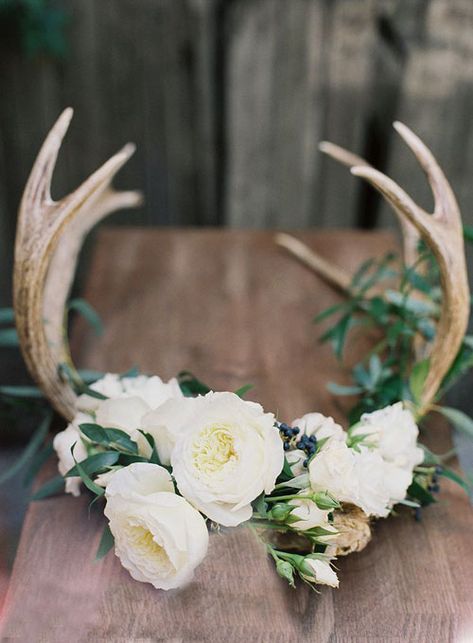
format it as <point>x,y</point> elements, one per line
<point>308,444</point>
<point>288,433</point>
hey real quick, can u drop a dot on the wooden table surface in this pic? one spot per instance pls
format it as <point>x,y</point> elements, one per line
<point>234,309</point>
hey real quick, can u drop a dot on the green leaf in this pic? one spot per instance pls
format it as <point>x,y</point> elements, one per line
<point>9,337</point>
<point>30,450</point>
<point>460,420</point>
<point>7,316</point>
<point>50,488</point>
<point>31,392</point>
<point>86,479</point>
<point>260,505</point>
<point>154,458</point>
<point>452,475</point>
<point>328,312</point>
<point>134,371</point>
<point>36,463</point>
<point>417,379</point>
<point>106,543</point>
<point>468,233</point>
<point>243,390</point>
<point>418,492</point>
<point>89,376</point>
<point>339,389</point>
<point>109,437</point>
<point>88,313</point>
<point>190,385</point>
<point>95,463</point>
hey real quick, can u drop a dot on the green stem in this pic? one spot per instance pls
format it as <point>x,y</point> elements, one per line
<point>289,497</point>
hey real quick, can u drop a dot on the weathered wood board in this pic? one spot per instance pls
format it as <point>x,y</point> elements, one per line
<point>236,310</point>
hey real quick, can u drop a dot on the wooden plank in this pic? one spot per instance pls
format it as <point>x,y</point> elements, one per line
<point>253,325</point>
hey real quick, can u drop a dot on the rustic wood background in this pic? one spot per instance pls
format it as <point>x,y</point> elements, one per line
<point>227,100</point>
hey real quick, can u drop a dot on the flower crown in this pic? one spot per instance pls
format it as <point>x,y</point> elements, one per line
<point>175,459</point>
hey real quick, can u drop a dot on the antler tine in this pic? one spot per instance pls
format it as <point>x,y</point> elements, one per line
<point>442,232</point>
<point>49,237</point>
<point>446,205</point>
<point>342,155</point>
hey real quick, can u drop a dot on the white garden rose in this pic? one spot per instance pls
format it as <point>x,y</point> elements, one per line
<point>168,422</point>
<point>62,444</point>
<point>321,426</point>
<point>159,537</point>
<point>227,457</point>
<point>308,514</point>
<point>319,571</point>
<point>152,390</point>
<point>393,432</point>
<point>313,424</point>
<point>121,413</point>
<point>380,484</point>
<point>333,470</point>
<point>360,477</point>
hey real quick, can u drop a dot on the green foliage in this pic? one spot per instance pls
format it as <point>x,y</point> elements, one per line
<point>397,307</point>
<point>190,385</point>
<point>106,543</point>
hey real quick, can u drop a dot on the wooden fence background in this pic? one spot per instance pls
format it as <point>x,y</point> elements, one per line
<point>227,100</point>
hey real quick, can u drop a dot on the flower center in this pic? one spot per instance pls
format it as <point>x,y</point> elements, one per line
<point>213,448</point>
<point>144,541</point>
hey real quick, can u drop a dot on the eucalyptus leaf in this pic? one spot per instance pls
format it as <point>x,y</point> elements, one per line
<point>107,542</point>
<point>9,337</point>
<point>82,307</point>
<point>7,316</point>
<point>86,479</point>
<point>417,379</point>
<point>243,390</point>
<point>30,392</point>
<point>95,463</point>
<point>460,420</point>
<point>50,488</point>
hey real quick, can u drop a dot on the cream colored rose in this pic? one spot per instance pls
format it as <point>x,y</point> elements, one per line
<point>393,432</point>
<point>159,537</point>
<point>169,421</point>
<point>152,390</point>
<point>361,478</point>
<point>62,444</point>
<point>319,571</point>
<point>228,456</point>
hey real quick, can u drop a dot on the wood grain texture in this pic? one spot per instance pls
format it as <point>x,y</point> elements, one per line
<point>235,309</point>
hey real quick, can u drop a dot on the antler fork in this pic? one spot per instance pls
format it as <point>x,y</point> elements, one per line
<point>441,231</point>
<point>49,237</point>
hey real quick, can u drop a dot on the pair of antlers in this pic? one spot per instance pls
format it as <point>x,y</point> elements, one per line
<point>50,235</point>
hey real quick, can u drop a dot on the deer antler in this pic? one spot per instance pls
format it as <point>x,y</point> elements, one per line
<point>443,234</point>
<point>48,240</point>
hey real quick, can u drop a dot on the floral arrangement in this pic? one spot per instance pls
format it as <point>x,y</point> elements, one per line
<point>170,464</point>
<point>173,460</point>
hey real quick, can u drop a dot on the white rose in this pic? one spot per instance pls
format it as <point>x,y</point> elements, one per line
<point>393,431</point>
<point>313,424</point>
<point>152,390</point>
<point>230,454</point>
<point>121,413</point>
<point>309,514</point>
<point>319,571</point>
<point>361,477</point>
<point>333,470</point>
<point>380,483</point>
<point>159,537</point>
<point>126,414</point>
<point>62,444</point>
<point>168,421</point>
<point>321,426</point>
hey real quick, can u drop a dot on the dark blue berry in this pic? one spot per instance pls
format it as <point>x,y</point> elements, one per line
<point>418,514</point>
<point>286,446</point>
